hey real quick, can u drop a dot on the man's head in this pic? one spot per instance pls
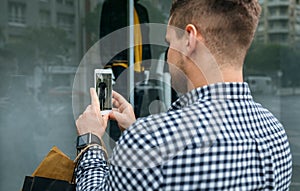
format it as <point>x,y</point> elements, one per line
<point>225,27</point>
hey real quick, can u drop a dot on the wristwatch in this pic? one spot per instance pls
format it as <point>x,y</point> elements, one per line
<point>87,139</point>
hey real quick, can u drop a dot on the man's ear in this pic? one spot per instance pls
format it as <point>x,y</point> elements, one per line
<point>192,39</point>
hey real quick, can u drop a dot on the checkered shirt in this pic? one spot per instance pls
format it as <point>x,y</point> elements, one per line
<point>213,138</point>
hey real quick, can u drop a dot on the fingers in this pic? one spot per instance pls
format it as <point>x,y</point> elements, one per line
<point>119,98</point>
<point>115,115</point>
<point>120,102</point>
<point>94,98</point>
<point>91,121</point>
<point>112,115</point>
<point>115,103</point>
<point>115,109</point>
<point>118,106</point>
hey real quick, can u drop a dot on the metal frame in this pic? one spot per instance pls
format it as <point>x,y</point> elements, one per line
<point>130,81</point>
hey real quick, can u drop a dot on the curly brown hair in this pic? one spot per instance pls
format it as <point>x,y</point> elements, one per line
<point>226,25</point>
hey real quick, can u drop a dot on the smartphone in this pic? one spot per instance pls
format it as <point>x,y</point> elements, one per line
<point>103,86</point>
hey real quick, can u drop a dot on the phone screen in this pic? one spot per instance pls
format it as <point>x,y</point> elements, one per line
<point>103,86</point>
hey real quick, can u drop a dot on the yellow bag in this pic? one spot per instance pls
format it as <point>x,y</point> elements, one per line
<point>56,165</point>
<point>55,173</point>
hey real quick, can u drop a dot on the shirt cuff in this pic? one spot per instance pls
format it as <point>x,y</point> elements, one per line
<point>94,152</point>
<point>92,169</point>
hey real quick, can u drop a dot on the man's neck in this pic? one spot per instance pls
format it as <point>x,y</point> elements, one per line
<point>232,75</point>
<point>197,79</point>
<point>203,68</point>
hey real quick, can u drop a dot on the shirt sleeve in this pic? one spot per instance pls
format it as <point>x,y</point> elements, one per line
<point>134,164</point>
<point>92,170</point>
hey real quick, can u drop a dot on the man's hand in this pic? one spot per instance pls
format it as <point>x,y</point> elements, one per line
<point>91,120</point>
<point>123,113</point>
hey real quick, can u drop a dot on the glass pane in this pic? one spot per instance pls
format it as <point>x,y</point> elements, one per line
<point>271,69</point>
<point>43,48</point>
<point>40,50</point>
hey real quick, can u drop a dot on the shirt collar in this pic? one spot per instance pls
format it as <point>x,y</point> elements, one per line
<point>218,91</point>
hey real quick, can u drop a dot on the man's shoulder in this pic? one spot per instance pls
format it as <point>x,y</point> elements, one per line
<point>138,146</point>
<point>145,129</point>
<point>155,128</point>
<point>148,125</point>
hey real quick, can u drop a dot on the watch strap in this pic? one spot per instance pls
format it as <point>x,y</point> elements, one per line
<point>87,139</point>
<point>94,139</point>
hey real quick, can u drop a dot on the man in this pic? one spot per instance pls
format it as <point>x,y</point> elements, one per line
<point>102,94</point>
<point>214,137</point>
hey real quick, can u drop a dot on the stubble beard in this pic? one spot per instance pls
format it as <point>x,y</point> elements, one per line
<point>179,78</point>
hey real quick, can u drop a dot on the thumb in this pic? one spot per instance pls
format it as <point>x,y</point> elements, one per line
<point>105,117</point>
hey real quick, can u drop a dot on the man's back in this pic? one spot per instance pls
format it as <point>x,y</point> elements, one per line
<point>213,138</point>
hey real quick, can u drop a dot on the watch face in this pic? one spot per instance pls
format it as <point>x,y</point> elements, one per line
<point>82,140</point>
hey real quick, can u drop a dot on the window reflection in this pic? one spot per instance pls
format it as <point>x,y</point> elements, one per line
<point>42,43</point>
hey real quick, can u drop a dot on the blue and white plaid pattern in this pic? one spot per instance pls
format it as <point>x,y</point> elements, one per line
<point>213,138</point>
